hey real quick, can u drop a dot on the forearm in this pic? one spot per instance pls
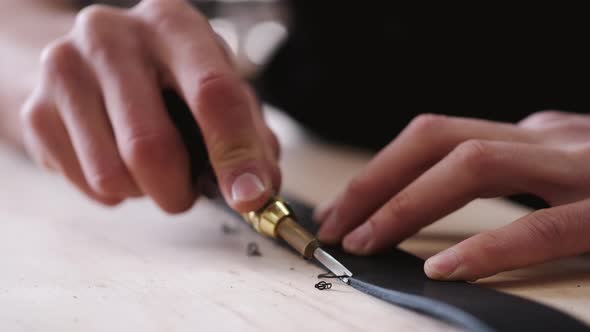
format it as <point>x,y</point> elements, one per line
<point>25,28</point>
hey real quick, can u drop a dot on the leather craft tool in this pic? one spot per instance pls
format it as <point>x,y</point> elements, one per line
<point>276,219</point>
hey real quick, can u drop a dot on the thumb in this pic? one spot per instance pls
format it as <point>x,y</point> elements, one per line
<point>538,237</point>
<point>237,147</point>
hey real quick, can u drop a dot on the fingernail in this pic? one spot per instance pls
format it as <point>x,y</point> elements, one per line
<point>246,187</point>
<point>358,240</point>
<point>442,265</point>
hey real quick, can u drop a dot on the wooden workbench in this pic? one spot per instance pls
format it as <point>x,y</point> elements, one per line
<point>68,264</point>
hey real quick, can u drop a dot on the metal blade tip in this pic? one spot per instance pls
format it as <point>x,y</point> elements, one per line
<point>332,264</point>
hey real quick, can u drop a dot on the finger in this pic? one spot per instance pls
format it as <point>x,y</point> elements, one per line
<point>271,142</point>
<point>541,236</point>
<point>219,102</point>
<point>324,209</point>
<point>48,140</point>
<point>227,52</point>
<point>147,140</point>
<point>32,145</point>
<point>560,129</point>
<point>423,143</point>
<point>79,101</point>
<point>474,169</point>
<point>210,188</point>
<point>543,119</point>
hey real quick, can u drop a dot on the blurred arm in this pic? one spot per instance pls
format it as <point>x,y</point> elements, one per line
<point>26,26</point>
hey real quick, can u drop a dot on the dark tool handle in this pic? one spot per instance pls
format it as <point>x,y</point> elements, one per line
<point>184,120</point>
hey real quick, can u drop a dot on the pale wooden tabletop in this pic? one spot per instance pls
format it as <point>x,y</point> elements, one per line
<point>70,265</point>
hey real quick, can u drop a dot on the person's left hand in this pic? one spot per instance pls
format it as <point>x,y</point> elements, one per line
<point>438,164</point>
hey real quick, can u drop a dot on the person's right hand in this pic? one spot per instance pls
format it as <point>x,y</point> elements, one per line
<point>97,114</point>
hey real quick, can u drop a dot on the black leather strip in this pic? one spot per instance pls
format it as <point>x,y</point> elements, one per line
<point>397,277</point>
<point>424,305</point>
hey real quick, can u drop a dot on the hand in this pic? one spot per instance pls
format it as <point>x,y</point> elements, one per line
<point>97,114</point>
<point>438,164</point>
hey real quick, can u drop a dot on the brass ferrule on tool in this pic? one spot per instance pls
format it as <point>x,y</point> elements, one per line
<point>276,219</point>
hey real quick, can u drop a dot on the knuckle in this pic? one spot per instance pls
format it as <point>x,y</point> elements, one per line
<point>159,5</point>
<point>546,116</point>
<point>548,225</point>
<point>166,15</point>
<point>35,116</point>
<point>218,87</point>
<point>491,244</point>
<point>399,207</point>
<point>96,36</point>
<point>424,125</point>
<point>544,119</point>
<point>58,58</point>
<point>474,155</point>
<point>148,150</point>
<point>228,154</point>
<point>95,16</point>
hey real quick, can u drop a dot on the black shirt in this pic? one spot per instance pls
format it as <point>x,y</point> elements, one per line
<point>374,65</point>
